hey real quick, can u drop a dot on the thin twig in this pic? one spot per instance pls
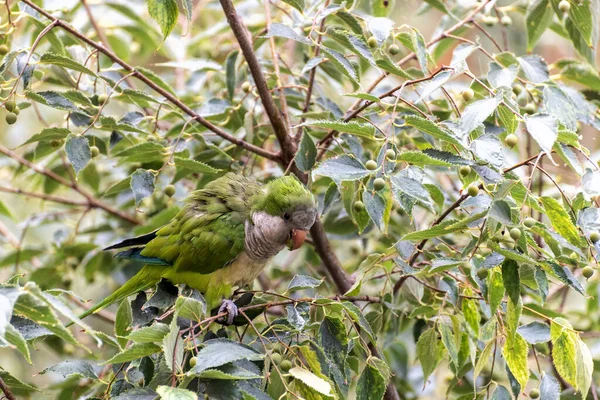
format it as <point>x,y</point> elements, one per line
<point>6,390</point>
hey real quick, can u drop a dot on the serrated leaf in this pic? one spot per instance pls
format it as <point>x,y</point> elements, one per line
<point>535,68</point>
<point>193,308</point>
<point>217,352</point>
<point>351,127</point>
<point>564,353</point>
<point>511,280</point>
<point>195,166</point>
<point>307,153</point>
<point>171,393</point>
<point>549,387</point>
<point>537,19</point>
<point>65,62</point>
<point>165,13</point>
<point>535,332</point>
<point>515,353</point>
<point>52,99</point>
<point>142,184</point>
<point>300,282</point>
<point>428,351</point>
<point>297,4</point>
<point>544,130</point>
<point>421,159</point>
<point>15,338</point>
<point>311,380</point>
<point>342,63</point>
<point>48,134</point>
<point>137,350</point>
<point>371,384</point>
<point>78,152</point>
<point>284,31</point>
<point>343,168</point>
<point>475,113</point>
<point>560,220</point>
<point>585,368</point>
<point>380,27</point>
<point>79,368</point>
<point>433,129</point>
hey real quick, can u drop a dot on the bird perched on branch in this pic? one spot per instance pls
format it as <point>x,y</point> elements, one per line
<point>221,239</point>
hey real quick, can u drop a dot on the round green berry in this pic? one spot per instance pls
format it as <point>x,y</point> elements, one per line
<point>4,49</point>
<point>595,236</point>
<point>515,233</point>
<point>169,190</point>
<point>511,140</point>
<point>390,154</point>
<point>285,365</point>
<point>466,267</point>
<point>464,170</point>
<point>473,190</point>
<point>482,273</point>
<point>393,49</point>
<point>564,6</point>
<point>246,87</point>
<point>468,94</point>
<point>506,20</point>
<point>529,108</point>
<point>379,184</point>
<point>102,99</point>
<point>94,151</point>
<point>10,105</point>
<point>573,256</point>
<point>490,20</point>
<point>588,272</point>
<point>371,165</point>
<point>358,206</point>
<point>517,89</point>
<point>372,42</point>
<point>193,361</point>
<point>276,358</point>
<point>534,394</point>
<point>529,222</point>
<point>11,118</point>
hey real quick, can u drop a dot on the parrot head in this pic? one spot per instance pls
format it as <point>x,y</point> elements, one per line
<point>291,208</point>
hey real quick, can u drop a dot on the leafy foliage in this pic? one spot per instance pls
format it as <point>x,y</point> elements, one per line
<point>458,212</point>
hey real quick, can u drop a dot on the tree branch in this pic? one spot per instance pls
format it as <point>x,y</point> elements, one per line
<point>91,201</point>
<point>166,94</point>
<point>6,390</point>
<point>43,196</point>
<point>288,147</point>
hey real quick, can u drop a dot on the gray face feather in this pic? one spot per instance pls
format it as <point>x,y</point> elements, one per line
<point>267,235</point>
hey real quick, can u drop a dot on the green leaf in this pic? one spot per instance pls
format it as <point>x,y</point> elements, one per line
<point>433,129</point>
<point>297,4</point>
<point>537,19</point>
<point>495,289</point>
<point>549,388</point>
<point>560,106</point>
<point>78,152</point>
<point>217,352</point>
<point>142,184</point>
<point>149,334</point>
<point>190,308</point>
<point>79,368</point>
<point>230,72</point>
<point>65,62</point>
<point>48,134</point>
<point>471,313</point>
<point>581,15</point>
<point>142,152</point>
<point>284,31</point>
<point>560,221</point>
<point>188,8</point>
<point>429,351</point>
<point>535,332</point>
<point>512,281</point>
<point>418,43</point>
<point>564,353</point>
<point>137,350</point>
<point>171,393</point>
<point>173,347</point>
<point>535,68</point>
<point>123,322</point>
<point>443,228</point>
<point>421,159</point>
<point>156,79</point>
<point>165,13</point>
<point>371,384</point>
<point>342,64</point>
<point>300,282</point>
<point>355,128</point>
<point>343,168</point>
<point>582,73</point>
<point>118,186</point>
<point>195,166</point>
<point>363,96</point>
<point>389,66</point>
<point>515,353</point>
<point>483,358</point>
<point>358,317</point>
<point>585,367</point>
<point>475,113</point>
<point>15,383</point>
<point>15,338</point>
<point>52,99</point>
<point>307,153</point>
<point>379,207</point>
<point>449,342</point>
<point>508,119</point>
<point>311,380</point>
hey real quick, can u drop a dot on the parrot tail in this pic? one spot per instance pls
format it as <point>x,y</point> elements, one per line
<point>145,279</point>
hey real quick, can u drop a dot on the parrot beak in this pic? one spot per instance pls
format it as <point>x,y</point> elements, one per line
<point>297,237</point>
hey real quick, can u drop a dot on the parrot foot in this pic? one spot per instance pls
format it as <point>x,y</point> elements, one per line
<point>231,309</point>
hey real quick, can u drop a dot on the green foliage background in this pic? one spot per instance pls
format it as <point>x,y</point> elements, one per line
<point>455,254</point>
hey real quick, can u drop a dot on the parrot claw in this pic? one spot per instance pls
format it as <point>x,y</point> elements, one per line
<point>231,309</point>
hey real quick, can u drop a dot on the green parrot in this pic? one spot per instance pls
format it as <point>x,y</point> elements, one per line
<point>221,239</point>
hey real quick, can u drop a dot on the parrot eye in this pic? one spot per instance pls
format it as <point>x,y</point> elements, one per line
<point>286,216</point>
